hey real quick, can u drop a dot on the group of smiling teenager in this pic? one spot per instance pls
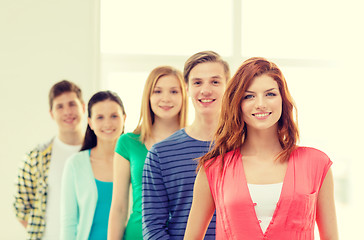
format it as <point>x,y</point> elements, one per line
<point>235,173</point>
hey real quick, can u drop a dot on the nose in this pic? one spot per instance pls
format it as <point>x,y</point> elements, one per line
<point>166,96</point>
<point>107,122</point>
<point>206,90</point>
<point>67,110</point>
<point>260,102</point>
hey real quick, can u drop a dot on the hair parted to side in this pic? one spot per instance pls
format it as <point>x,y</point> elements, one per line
<point>203,57</point>
<point>62,87</point>
<point>90,139</point>
<point>231,130</point>
<point>146,119</point>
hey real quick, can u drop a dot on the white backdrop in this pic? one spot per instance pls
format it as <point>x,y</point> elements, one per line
<point>42,42</point>
<point>45,41</point>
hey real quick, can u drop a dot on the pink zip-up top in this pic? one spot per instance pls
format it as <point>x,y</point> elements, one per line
<point>295,213</point>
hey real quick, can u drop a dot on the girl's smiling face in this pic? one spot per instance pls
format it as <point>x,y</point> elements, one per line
<point>262,104</point>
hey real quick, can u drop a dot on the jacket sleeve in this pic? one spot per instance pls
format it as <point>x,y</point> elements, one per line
<point>25,187</point>
<point>155,213</point>
<point>69,205</point>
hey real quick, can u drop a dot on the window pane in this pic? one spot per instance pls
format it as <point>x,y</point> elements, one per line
<point>166,27</point>
<point>291,29</point>
<point>129,86</point>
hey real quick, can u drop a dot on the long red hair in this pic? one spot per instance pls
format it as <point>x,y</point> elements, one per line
<point>231,129</point>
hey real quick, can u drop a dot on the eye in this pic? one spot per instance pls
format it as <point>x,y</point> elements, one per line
<point>197,83</point>
<point>249,96</point>
<point>72,104</point>
<point>271,94</point>
<point>157,91</point>
<point>100,117</point>
<point>115,116</point>
<point>215,82</point>
<point>174,91</point>
<point>59,106</point>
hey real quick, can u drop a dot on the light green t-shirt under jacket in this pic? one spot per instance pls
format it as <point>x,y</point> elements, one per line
<point>130,148</point>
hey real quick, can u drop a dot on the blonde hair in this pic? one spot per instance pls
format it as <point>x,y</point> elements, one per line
<point>146,119</point>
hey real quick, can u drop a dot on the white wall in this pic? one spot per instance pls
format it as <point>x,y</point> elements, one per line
<point>44,41</point>
<point>41,43</point>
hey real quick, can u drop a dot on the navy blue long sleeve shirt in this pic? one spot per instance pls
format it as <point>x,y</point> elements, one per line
<point>168,179</point>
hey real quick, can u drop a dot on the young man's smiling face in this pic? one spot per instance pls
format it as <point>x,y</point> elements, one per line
<point>206,87</point>
<point>67,110</point>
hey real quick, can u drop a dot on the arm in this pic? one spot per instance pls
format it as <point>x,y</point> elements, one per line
<point>202,209</point>
<point>25,191</point>
<point>120,198</point>
<point>155,210</point>
<point>69,204</point>
<point>326,213</point>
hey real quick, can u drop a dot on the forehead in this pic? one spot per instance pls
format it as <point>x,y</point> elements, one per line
<point>106,106</point>
<point>207,70</point>
<point>167,81</point>
<point>65,97</point>
<point>262,83</point>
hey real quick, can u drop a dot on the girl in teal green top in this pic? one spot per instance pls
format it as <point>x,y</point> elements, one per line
<point>87,185</point>
<point>163,111</point>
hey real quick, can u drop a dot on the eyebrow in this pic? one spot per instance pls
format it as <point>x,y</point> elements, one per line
<point>264,91</point>
<point>212,77</point>
<point>162,87</point>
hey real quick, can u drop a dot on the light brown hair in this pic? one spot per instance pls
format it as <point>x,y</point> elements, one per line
<point>203,57</point>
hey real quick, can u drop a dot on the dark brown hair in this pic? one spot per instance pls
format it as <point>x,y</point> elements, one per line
<point>63,87</point>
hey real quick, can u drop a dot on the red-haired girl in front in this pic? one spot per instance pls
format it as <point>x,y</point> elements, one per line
<point>261,184</point>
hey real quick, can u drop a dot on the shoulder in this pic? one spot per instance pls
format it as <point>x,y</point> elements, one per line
<point>176,137</point>
<point>79,159</point>
<point>179,141</point>
<point>213,167</point>
<point>310,156</point>
<point>309,152</point>
<point>127,138</point>
<point>43,149</point>
<point>130,135</point>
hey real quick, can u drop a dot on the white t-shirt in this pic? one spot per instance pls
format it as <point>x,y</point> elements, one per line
<point>265,198</point>
<point>60,153</point>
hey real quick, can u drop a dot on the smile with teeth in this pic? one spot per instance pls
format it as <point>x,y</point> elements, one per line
<point>69,120</point>
<point>206,100</point>
<point>108,131</point>
<point>261,115</point>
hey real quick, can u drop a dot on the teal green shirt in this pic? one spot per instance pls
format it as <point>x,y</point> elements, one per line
<point>130,147</point>
<point>101,215</point>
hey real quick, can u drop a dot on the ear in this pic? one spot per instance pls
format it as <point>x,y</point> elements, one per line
<point>51,113</point>
<point>83,108</point>
<point>90,123</point>
<point>187,90</point>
